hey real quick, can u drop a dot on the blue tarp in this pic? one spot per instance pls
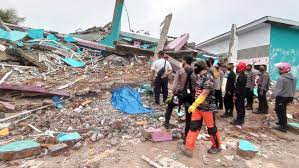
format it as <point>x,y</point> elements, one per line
<point>12,36</point>
<point>36,33</point>
<point>127,100</point>
<point>73,63</point>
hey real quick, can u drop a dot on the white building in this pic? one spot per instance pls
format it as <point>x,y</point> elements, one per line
<point>268,40</point>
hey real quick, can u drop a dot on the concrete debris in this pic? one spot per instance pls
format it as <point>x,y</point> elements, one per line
<point>19,149</point>
<point>294,127</point>
<point>58,149</point>
<point>77,146</point>
<point>246,149</point>
<point>68,138</point>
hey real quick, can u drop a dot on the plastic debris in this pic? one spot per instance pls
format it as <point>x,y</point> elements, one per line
<point>73,62</point>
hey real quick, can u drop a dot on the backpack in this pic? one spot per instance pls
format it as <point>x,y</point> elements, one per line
<point>161,72</point>
<point>187,92</point>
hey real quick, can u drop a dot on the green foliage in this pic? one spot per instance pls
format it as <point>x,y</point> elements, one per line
<point>10,16</point>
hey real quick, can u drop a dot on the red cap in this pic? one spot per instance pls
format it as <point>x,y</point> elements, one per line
<point>241,67</point>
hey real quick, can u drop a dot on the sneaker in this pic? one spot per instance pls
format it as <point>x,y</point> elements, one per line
<point>166,125</point>
<point>249,108</point>
<point>235,122</point>
<point>281,129</point>
<point>257,112</point>
<point>214,150</point>
<point>185,151</point>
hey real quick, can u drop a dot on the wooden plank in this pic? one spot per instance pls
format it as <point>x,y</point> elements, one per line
<point>150,162</point>
<point>2,24</point>
<point>6,76</point>
<point>24,112</point>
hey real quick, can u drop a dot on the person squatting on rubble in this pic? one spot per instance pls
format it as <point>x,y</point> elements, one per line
<point>203,110</point>
<point>284,93</point>
<point>263,84</point>
<point>229,92</point>
<point>161,69</point>
<point>240,94</point>
<point>249,87</point>
<point>183,92</point>
<point>218,79</point>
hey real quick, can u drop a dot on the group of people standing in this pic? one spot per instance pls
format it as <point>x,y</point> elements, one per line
<point>198,87</point>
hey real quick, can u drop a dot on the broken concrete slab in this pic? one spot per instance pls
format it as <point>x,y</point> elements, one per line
<point>77,146</point>
<point>294,127</point>
<point>31,57</point>
<point>68,138</point>
<point>6,106</point>
<point>58,149</point>
<point>19,150</point>
<point>246,149</point>
<point>163,35</point>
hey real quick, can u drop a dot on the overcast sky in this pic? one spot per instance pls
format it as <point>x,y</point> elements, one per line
<point>203,19</point>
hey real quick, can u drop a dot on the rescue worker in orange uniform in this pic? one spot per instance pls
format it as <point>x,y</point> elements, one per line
<point>203,110</point>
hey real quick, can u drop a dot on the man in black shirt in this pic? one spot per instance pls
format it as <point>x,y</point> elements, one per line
<point>229,91</point>
<point>240,94</point>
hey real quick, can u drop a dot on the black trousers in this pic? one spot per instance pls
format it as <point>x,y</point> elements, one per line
<point>187,103</point>
<point>218,99</point>
<point>249,97</point>
<point>228,103</point>
<point>263,104</point>
<point>161,84</point>
<point>240,107</point>
<point>281,109</point>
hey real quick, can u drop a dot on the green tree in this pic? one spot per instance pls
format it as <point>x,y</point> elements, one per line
<point>10,16</point>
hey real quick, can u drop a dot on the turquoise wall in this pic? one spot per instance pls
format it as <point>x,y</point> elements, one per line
<point>284,47</point>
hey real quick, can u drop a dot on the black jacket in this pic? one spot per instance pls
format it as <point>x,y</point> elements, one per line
<point>240,90</point>
<point>230,84</point>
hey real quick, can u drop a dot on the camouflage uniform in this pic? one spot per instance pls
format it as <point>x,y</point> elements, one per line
<point>206,81</point>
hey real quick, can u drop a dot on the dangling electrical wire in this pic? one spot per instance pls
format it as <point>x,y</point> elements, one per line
<point>128,17</point>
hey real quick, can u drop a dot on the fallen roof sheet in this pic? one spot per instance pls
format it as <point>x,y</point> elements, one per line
<point>178,43</point>
<point>32,88</point>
